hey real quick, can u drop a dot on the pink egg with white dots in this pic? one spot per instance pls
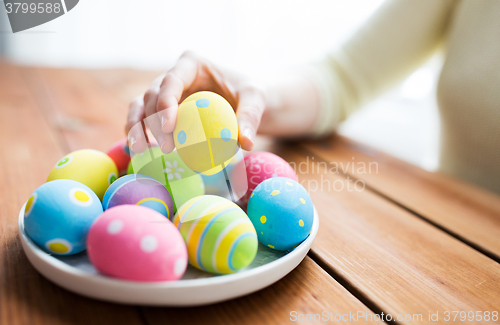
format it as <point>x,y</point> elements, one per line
<point>136,243</point>
<point>264,165</point>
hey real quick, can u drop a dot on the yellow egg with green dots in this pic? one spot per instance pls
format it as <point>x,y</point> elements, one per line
<point>90,167</point>
<point>206,132</point>
<point>219,236</point>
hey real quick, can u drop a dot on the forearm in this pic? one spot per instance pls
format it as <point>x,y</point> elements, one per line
<point>399,37</point>
<point>292,106</point>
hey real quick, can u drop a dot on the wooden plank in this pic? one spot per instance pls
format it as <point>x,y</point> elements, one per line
<point>306,294</point>
<point>29,150</point>
<point>466,211</point>
<point>390,257</point>
<point>90,104</point>
<point>306,290</point>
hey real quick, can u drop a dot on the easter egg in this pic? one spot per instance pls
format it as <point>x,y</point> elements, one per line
<point>90,167</point>
<point>169,169</point>
<point>139,190</point>
<point>150,163</point>
<point>219,236</point>
<point>120,153</point>
<point>217,184</point>
<point>264,165</point>
<point>136,243</point>
<point>206,132</point>
<point>282,212</point>
<point>58,216</point>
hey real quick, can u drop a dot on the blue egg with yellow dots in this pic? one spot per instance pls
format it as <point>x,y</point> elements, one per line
<point>137,189</point>
<point>282,213</point>
<point>58,215</point>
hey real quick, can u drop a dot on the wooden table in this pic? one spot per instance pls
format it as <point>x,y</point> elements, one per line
<point>394,239</point>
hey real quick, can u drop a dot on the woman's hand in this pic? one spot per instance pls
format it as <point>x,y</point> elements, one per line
<point>158,106</point>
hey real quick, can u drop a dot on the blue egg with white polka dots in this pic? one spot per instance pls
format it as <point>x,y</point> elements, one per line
<point>282,213</point>
<point>58,216</point>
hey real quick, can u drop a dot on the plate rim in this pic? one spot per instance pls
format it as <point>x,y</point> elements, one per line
<point>99,278</point>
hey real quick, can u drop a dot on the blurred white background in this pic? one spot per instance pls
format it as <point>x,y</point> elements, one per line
<point>248,36</point>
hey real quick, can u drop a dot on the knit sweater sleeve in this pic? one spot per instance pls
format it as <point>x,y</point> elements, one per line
<point>398,38</point>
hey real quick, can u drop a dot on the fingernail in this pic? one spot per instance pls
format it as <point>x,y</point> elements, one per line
<point>162,147</point>
<point>248,134</point>
<point>163,120</point>
<point>131,142</point>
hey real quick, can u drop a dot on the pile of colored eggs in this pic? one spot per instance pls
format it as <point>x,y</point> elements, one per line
<point>150,223</point>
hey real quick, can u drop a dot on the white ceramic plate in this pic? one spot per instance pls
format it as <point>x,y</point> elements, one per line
<point>77,274</point>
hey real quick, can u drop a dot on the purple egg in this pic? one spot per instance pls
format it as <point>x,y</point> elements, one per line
<point>137,189</point>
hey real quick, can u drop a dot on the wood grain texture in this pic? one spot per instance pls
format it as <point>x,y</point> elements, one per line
<point>29,150</point>
<point>395,260</point>
<point>468,212</point>
<point>87,110</point>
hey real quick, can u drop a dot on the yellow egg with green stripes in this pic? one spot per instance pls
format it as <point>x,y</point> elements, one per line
<point>219,236</point>
<point>206,132</point>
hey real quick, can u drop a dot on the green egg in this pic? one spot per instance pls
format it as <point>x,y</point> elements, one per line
<point>169,169</point>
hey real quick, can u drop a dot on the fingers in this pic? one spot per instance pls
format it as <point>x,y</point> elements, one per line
<point>159,105</point>
<point>153,120</point>
<point>135,132</point>
<point>249,113</point>
<point>179,78</point>
<point>169,144</point>
<point>151,95</point>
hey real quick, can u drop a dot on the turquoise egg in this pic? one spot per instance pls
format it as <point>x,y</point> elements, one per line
<point>282,213</point>
<point>217,184</point>
<point>58,215</point>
